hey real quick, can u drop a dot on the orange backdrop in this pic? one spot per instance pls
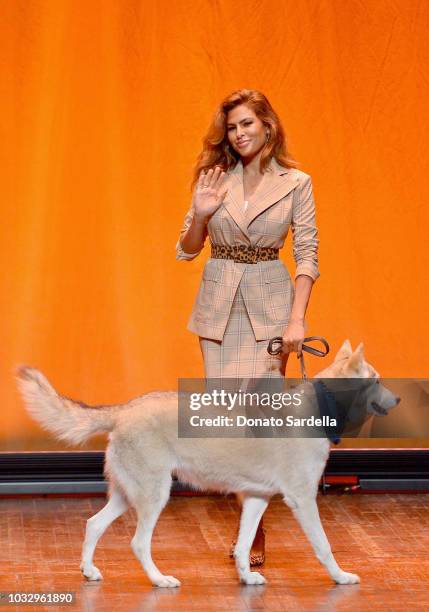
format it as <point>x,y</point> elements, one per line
<point>103,108</point>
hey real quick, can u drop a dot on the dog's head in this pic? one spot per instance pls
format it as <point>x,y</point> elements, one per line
<point>374,397</point>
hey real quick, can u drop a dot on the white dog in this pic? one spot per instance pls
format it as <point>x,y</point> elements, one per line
<point>144,450</point>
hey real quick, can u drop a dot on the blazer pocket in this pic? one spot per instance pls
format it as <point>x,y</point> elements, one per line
<point>280,293</point>
<point>207,294</point>
<point>211,272</point>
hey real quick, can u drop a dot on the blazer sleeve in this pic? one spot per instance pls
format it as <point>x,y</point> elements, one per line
<point>180,253</point>
<point>304,231</point>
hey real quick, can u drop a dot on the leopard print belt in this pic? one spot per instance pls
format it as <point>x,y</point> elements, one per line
<point>242,253</point>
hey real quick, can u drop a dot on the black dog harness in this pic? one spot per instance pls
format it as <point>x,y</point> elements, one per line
<point>329,407</point>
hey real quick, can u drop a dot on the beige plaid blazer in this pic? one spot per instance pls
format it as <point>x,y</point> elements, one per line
<point>283,199</point>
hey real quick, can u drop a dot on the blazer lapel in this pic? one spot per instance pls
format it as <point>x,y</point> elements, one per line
<point>234,199</point>
<point>276,183</point>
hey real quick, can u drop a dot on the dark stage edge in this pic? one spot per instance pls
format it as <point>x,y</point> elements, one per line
<point>82,471</point>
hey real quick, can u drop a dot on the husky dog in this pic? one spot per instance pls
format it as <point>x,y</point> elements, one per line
<point>144,450</point>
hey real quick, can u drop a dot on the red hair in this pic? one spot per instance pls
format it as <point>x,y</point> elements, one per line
<point>216,150</point>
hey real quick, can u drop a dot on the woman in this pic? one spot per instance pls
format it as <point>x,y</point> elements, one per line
<point>247,193</point>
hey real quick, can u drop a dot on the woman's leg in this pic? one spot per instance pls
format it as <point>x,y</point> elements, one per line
<point>239,356</point>
<point>257,551</point>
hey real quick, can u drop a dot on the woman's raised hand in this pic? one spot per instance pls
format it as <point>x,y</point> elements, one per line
<point>210,192</point>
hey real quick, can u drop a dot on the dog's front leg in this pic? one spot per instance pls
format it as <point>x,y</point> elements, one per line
<point>253,509</point>
<point>307,514</point>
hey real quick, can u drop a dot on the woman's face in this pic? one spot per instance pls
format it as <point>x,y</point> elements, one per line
<point>246,132</point>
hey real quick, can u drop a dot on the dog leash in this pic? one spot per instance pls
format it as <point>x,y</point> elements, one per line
<point>325,399</point>
<point>275,347</point>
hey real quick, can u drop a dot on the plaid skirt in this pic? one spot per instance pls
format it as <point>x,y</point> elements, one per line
<point>239,354</point>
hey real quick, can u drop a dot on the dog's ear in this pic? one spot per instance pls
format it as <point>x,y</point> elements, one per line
<point>345,350</point>
<point>356,360</point>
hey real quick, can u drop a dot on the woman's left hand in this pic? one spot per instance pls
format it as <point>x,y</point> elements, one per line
<point>293,337</point>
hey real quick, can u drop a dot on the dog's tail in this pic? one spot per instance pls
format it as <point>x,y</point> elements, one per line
<point>69,420</point>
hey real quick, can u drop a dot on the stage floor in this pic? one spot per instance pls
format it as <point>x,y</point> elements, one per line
<point>383,538</point>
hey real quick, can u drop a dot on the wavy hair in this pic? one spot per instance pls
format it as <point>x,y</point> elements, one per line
<point>216,149</point>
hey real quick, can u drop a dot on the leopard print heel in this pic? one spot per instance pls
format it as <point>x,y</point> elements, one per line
<point>256,558</point>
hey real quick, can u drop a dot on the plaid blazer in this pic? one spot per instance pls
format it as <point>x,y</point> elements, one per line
<point>283,199</point>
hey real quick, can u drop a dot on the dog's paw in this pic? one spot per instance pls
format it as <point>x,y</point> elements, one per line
<point>91,572</point>
<point>347,578</point>
<point>166,582</point>
<point>253,578</point>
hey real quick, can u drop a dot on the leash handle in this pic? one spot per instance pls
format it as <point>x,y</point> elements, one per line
<point>278,340</point>
<point>315,351</point>
<point>275,347</point>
